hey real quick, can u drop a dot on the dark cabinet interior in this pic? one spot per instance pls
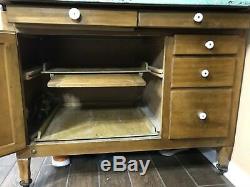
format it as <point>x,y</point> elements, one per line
<point>92,87</point>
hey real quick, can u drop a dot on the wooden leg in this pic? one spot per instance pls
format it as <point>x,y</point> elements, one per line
<point>223,157</point>
<point>24,171</point>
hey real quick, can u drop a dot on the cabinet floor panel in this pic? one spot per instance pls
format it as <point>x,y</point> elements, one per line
<point>75,123</point>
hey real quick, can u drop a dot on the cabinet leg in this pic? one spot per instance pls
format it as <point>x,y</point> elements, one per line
<point>223,157</point>
<point>24,171</point>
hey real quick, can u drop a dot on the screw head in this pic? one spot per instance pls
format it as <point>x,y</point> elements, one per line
<point>33,151</point>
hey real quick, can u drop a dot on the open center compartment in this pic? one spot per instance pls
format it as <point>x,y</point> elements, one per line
<point>92,87</point>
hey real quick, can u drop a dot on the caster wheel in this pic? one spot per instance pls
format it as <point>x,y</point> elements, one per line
<point>221,169</point>
<point>24,184</point>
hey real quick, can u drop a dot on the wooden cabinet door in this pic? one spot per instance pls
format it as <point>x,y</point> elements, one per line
<point>12,129</point>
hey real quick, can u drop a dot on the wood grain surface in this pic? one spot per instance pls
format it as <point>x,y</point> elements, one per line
<point>186,72</point>
<point>185,106</point>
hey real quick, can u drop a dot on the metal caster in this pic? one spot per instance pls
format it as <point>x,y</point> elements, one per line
<point>221,169</point>
<point>24,184</point>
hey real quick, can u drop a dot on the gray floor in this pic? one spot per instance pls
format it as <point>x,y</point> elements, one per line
<point>186,169</point>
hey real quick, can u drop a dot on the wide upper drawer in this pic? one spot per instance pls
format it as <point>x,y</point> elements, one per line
<point>206,44</point>
<point>199,113</point>
<point>184,19</point>
<point>68,16</point>
<point>202,72</point>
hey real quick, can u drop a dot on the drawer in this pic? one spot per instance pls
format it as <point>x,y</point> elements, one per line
<point>172,19</point>
<point>206,44</point>
<point>60,15</point>
<point>202,72</point>
<point>200,113</point>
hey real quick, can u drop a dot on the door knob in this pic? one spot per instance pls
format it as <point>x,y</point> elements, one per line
<point>74,14</point>
<point>202,115</point>
<point>205,73</point>
<point>198,17</point>
<point>209,45</point>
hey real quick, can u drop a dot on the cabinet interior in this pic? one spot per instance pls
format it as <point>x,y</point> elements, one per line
<point>92,87</point>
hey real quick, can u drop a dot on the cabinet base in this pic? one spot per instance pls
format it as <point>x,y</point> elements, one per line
<point>24,171</point>
<point>223,156</point>
<point>25,184</point>
<point>221,169</point>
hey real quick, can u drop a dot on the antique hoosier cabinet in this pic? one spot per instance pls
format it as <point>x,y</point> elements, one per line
<point>80,78</point>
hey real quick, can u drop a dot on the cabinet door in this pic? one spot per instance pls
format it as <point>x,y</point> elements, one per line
<point>12,129</point>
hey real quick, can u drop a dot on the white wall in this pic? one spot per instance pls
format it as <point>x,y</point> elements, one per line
<point>240,163</point>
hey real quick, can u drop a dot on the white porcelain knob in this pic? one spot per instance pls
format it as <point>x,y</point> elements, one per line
<point>74,14</point>
<point>205,73</point>
<point>198,17</point>
<point>209,45</point>
<point>202,115</point>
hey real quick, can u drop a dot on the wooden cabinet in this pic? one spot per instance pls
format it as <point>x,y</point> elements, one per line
<point>101,80</point>
<point>12,129</point>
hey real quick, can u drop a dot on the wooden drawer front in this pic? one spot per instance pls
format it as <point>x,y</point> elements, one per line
<point>195,44</point>
<point>203,72</point>
<point>186,105</point>
<point>187,20</point>
<point>55,15</point>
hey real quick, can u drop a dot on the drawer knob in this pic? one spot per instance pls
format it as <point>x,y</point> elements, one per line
<point>202,115</point>
<point>205,73</point>
<point>74,14</point>
<point>198,17</point>
<point>209,45</point>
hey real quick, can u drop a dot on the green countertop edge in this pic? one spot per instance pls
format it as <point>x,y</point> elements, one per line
<point>240,3</point>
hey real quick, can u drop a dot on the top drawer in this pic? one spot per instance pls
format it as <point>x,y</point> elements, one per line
<point>63,16</point>
<point>173,19</point>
